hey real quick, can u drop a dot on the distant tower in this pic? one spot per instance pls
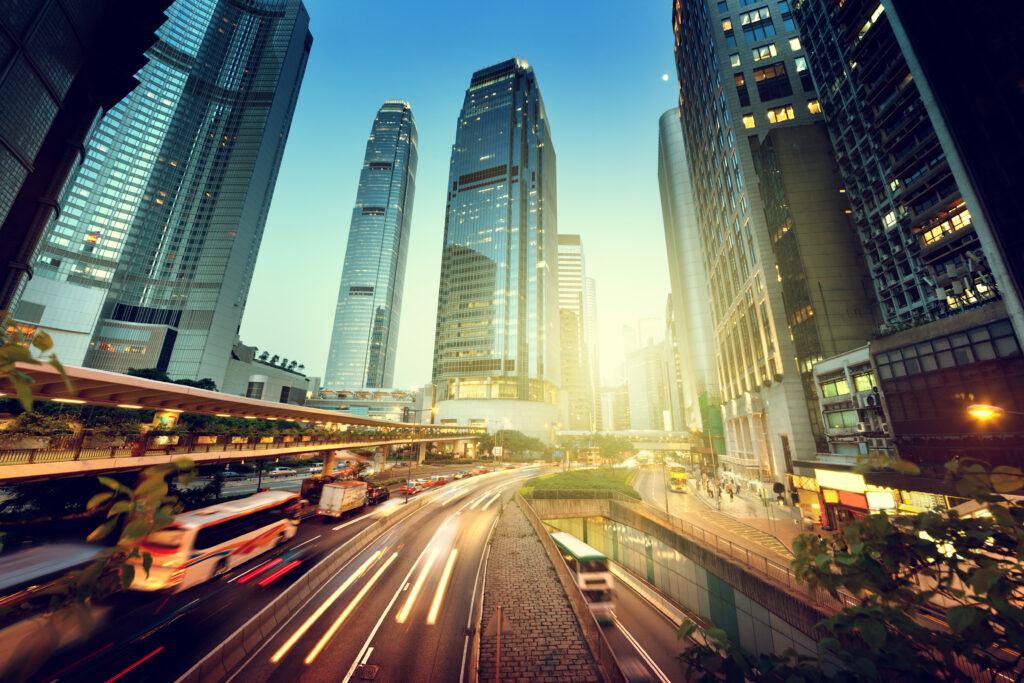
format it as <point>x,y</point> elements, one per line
<point>496,350</point>
<point>573,315</point>
<point>365,336</point>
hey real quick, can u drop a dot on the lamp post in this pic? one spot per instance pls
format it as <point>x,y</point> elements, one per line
<point>985,411</point>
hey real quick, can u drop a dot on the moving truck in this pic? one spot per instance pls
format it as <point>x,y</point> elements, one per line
<point>340,497</point>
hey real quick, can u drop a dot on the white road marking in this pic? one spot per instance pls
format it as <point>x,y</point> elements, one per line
<point>472,599</point>
<point>305,542</point>
<point>643,653</point>
<point>368,651</point>
<point>342,526</point>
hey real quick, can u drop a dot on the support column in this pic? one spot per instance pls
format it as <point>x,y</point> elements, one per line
<point>422,454</point>
<point>460,449</point>
<point>379,456</point>
<point>329,457</point>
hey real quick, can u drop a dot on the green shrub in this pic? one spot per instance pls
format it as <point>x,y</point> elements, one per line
<point>34,424</point>
<point>601,480</point>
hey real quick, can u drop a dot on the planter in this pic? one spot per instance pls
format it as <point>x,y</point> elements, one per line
<point>266,439</point>
<point>24,443</point>
<point>239,439</point>
<point>164,440</point>
<point>206,440</point>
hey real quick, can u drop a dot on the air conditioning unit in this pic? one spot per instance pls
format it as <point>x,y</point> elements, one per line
<point>862,426</point>
<point>871,401</point>
<point>885,428</point>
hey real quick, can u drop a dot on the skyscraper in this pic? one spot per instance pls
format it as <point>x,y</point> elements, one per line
<point>590,334</point>
<point>577,377</point>
<point>61,68</point>
<point>929,147</point>
<point>496,347</point>
<point>769,403</point>
<point>365,337</point>
<point>150,260</point>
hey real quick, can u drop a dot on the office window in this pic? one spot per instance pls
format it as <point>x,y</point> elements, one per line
<point>748,120</point>
<point>836,387</point>
<point>772,82</point>
<point>723,7</point>
<point>813,106</point>
<point>794,44</point>
<point>726,24</point>
<point>734,59</point>
<point>864,382</point>
<point>801,64</point>
<point>764,52</point>
<point>780,114</point>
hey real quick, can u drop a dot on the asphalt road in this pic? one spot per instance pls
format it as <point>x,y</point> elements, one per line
<point>644,639</point>
<point>398,610</point>
<point>158,637</point>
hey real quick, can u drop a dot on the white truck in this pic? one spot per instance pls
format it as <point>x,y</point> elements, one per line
<point>341,497</point>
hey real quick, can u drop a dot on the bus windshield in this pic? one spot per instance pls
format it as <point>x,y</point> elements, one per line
<point>167,538</point>
<point>587,566</point>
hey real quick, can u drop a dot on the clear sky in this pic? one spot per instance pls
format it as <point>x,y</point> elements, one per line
<point>600,68</point>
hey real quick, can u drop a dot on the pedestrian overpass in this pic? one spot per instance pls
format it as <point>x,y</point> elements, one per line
<point>33,459</point>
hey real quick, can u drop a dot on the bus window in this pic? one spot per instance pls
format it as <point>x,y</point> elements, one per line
<point>167,539</point>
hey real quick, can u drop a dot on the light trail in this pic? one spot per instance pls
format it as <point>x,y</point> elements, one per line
<point>439,594</point>
<point>323,608</point>
<point>404,613</point>
<point>348,610</point>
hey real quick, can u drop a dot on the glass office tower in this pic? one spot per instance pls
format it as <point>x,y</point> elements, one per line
<point>365,336</point>
<point>496,347</point>
<point>149,263</point>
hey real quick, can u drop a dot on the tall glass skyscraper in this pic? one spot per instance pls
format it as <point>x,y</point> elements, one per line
<point>149,263</point>
<point>496,350</point>
<point>365,336</point>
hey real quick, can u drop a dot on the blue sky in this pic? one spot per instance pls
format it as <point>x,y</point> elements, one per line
<point>599,66</point>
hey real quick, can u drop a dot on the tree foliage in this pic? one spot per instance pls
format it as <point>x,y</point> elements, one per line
<point>16,347</point>
<point>511,441</point>
<point>161,376</point>
<point>938,596</point>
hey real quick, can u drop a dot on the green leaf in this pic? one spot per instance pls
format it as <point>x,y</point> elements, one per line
<point>119,508</point>
<point>822,559</point>
<point>115,485</point>
<point>103,530</point>
<point>42,341</point>
<point>16,353</point>
<point>960,618</point>
<point>150,488</point>
<point>23,390</point>
<point>985,578</point>
<point>163,516</point>
<point>1007,479</point>
<point>873,633</point>
<point>686,629</point>
<point>99,499</point>
<point>905,467</point>
<point>147,562</point>
<point>136,529</point>
<point>127,575</point>
<point>63,374</point>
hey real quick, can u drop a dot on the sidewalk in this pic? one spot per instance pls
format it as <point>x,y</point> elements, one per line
<point>775,520</point>
<point>541,639</point>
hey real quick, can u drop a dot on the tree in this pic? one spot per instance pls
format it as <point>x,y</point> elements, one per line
<point>291,366</point>
<point>964,571</point>
<point>264,356</point>
<point>15,347</point>
<point>150,373</point>
<point>204,383</point>
<point>274,359</point>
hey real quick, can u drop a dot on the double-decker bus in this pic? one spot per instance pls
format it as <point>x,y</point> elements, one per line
<point>590,567</point>
<point>677,480</point>
<point>208,542</point>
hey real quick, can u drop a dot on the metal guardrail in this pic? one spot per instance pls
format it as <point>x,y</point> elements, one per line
<point>75,448</point>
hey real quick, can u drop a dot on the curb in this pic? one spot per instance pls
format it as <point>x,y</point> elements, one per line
<point>249,637</point>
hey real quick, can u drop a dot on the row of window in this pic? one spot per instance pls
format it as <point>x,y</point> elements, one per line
<point>977,344</point>
<point>228,530</point>
<point>840,386</point>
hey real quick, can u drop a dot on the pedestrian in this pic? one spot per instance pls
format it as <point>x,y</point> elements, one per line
<point>730,493</point>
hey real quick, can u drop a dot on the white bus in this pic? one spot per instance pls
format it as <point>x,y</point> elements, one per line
<point>205,543</point>
<point>590,567</point>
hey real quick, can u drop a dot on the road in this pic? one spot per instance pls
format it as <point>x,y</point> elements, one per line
<point>159,637</point>
<point>399,609</point>
<point>643,638</point>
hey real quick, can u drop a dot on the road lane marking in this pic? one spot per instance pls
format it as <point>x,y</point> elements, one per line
<point>384,614</point>
<point>348,610</point>
<point>472,601</point>
<point>368,651</point>
<point>305,542</point>
<point>404,613</point>
<point>643,653</point>
<point>241,574</point>
<point>342,526</point>
<point>323,607</point>
<point>480,499</point>
<point>496,496</point>
<point>439,593</point>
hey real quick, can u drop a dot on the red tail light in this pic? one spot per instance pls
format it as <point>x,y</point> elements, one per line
<point>177,575</point>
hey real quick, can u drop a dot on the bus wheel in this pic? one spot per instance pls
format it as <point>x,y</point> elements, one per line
<point>221,568</point>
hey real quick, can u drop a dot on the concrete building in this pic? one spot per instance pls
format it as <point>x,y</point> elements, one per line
<point>253,378</point>
<point>149,261</point>
<point>615,408</point>
<point>590,334</point>
<point>928,144</point>
<point>743,75</point>
<point>60,69</point>
<point>496,345</point>
<point>576,334</point>
<point>364,341</point>
<point>646,375</point>
<point>394,405</point>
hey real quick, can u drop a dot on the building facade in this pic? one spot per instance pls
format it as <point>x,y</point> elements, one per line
<point>615,408</point>
<point>149,263</point>
<point>590,333</point>
<point>365,337</point>
<point>742,74</point>
<point>61,67</point>
<point>496,345</point>
<point>931,184</point>
<point>251,377</point>
<point>575,334</point>
<point>646,378</point>
<point>699,397</point>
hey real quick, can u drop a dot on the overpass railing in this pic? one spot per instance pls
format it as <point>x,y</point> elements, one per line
<point>31,450</point>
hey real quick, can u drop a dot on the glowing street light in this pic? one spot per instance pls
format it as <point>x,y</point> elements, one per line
<point>982,411</point>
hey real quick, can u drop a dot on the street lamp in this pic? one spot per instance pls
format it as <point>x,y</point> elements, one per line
<point>984,411</point>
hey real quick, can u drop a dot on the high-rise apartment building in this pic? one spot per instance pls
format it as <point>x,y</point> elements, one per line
<point>496,347</point>
<point>149,263</point>
<point>576,334</point>
<point>61,66</point>
<point>743,75</point>
<point>928,145</point>
<point>365,337</point>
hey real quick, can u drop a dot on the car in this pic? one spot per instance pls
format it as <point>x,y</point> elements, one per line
<point>316,468</point>
<point>282,472</point>
<point>459,475</point>
<point>376,494</point>
<point>439,479</point>
<point>410,488</point>
<point>228,475</point>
